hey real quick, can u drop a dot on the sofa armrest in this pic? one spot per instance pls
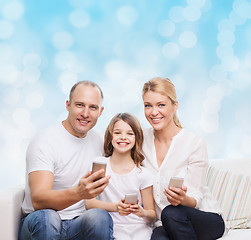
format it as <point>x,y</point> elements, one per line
<point>10,211</point>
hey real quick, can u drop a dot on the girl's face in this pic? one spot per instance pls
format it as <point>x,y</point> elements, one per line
<point>123,137</point>
<point>159,110</point>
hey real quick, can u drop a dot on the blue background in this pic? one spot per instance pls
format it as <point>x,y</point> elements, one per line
<point>203,46</point>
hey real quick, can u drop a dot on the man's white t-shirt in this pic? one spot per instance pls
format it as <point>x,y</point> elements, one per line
<point>68,157</point>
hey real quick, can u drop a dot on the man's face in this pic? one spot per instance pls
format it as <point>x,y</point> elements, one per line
<point>84,110</point>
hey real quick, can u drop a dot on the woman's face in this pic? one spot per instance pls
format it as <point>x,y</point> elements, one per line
<point>159,110</point>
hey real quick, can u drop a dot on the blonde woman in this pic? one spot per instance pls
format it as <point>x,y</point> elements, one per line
<point>171,151</point>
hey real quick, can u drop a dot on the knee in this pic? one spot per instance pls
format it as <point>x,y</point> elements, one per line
<point>171,214</point>
<point>43,220</point>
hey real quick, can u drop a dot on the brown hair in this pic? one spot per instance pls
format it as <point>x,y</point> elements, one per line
<point>165,87</point>
<point>86,83</point>
<point>132,121</point>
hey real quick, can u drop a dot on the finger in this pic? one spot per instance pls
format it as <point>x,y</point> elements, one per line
<point>96,175</point>
<point>87,175</point>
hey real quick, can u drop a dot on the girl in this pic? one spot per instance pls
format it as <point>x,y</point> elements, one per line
<point>122,147</point>
<point>171,151</point>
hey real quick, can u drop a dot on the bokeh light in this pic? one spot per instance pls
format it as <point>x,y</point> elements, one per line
<point>203,46</point>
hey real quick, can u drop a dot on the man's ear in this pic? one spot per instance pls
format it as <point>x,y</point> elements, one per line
<point>101,110</point>
<point>67,105</point>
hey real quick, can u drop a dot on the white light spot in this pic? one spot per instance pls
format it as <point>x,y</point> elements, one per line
<point>6,29</point>
<point>32,60</point>
<point>67,80</point>
<point>13,10</point>
<point>192,13</point>
<point>215,92</point>
<point>176,14</point>
<point>196,3</point>
<point>242,8</point>
<point>6,51</point>
<point>21,116</point>
<point>236,18</point>
<point>223,51</point>
<point>31,74</point>
<point>211,106</point>
<point>187,39</point>
<point>67,60</point>
<point>132,86</point>
<point>5,72</point>
<point>226,38</point>
<point>217,73</point>
<point>34,100</point>
<point>171,50</point>
<point>209,122</point>
<point>27,130</point>
<point>115,69</point>
<point>11,96</point>
<point>127,15</point>
<point>166,28</point>
<point>62,40</point>
<point>230,63</point>
<point>79,18</point>
<point>226,24</point>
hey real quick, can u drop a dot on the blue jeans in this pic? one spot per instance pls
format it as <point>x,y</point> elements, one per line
<point>186,223</point>
<point>95,224</point>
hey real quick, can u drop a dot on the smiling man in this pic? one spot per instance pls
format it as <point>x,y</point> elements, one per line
<point>58,177</point>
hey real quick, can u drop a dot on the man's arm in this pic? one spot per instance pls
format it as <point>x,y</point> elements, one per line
<point>43,196</point>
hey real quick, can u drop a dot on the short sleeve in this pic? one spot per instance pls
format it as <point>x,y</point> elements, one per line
<point>146,178</point>
<point>39,156</point>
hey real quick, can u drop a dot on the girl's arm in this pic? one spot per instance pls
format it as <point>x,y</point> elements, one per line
<point>95,203</point>
<point>148,211</point>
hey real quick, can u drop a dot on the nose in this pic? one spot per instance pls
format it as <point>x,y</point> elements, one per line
<point>85,112</point>
<point>154,111</point>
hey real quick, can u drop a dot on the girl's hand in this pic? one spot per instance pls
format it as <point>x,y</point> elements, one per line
<point>137,210</point>
<point>176,196</point>
<point>123,208</point>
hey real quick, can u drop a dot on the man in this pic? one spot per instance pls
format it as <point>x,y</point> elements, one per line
<point>58,180</point>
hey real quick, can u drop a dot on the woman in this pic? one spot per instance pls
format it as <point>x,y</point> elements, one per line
<point>171,151</point>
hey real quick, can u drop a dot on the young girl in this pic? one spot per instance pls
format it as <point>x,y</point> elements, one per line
<point>122,147</point>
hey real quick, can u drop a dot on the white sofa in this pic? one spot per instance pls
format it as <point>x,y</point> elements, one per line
<point>228,179</point>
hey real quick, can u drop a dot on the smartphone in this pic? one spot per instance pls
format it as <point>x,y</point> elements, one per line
<point>131,198</point>
<point>176,182</point>
<point>97,166</point>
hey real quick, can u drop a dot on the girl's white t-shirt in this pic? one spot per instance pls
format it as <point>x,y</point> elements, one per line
<point>121,184</point>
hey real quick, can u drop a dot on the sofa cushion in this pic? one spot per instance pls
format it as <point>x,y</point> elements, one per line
<point>230,182</point>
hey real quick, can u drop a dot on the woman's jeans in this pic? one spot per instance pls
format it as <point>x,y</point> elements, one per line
<point>186,223</point>
<point>95,224</point>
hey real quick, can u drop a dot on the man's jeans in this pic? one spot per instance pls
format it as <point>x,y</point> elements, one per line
<point>93,224</point>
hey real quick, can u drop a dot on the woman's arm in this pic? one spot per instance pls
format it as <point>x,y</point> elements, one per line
<point>148,211</point>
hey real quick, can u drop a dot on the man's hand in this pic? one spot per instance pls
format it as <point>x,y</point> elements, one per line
<point>88,188</point>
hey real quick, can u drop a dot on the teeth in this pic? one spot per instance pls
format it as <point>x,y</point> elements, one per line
<point>82,121</point>
<point>122,144</point>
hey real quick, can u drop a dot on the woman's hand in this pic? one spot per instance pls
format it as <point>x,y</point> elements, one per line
<point>176,196</point>
<point>123,208</point>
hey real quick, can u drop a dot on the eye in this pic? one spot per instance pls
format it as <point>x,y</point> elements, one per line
<point>116,132</point>
<point>93,108</point>
<point>131,133</point>
<point>79,104</point>
<point>147,105</point>
<point>162,105</point>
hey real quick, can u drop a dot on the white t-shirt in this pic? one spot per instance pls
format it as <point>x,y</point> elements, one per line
<point>119,185</point>
<point>186,158</point>
<point>67,157</point>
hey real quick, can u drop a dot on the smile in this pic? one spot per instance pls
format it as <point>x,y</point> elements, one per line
<point>156,120</point>
<point>83,121</point>
<point>122,143</point>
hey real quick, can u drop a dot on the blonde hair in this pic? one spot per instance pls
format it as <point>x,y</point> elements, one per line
<point>132,121</point>
<point>165,87</point>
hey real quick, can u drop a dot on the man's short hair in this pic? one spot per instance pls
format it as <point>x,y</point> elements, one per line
<point>86,83</point>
